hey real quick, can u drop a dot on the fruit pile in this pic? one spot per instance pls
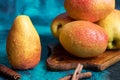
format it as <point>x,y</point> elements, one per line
<point>88,27</point>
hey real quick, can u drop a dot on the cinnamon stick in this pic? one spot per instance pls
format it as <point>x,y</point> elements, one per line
<point>77,71</point>
<point>66,77</point>
<point>77,74</point>
<point>5,71</point>
<point>84,75</point>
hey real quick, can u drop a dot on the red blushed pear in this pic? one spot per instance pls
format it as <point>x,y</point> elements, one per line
<point>83,39</point>
<point>59,22</point>
<point>23,44</point>
<point>90,10</point>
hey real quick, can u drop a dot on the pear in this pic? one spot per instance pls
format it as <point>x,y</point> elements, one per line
<point>111,24</point>
<point>23,44</point>
<point>58,23</point>
<point>83,39</point>
<point>90,10</point>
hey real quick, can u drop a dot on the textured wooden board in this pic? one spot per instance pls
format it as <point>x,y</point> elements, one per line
<point>60,59</point>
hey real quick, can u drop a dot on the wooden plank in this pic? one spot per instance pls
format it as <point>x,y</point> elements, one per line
<point>60,59</point>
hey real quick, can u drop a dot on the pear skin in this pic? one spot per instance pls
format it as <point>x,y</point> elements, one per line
<point>90,10</point>
<point>83,39</point>
<point>111,25</point>
<point>58,23</point>
<point>23,44</point>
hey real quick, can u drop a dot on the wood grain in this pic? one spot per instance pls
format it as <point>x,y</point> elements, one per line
<point>60,59</point>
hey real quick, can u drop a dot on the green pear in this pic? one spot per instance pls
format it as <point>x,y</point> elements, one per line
<point>58,23</point>
<point>23,44</point>
<point>111,24</point>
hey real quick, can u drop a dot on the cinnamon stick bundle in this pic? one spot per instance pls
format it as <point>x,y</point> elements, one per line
<point>77,74</point>
<point>5,71</point>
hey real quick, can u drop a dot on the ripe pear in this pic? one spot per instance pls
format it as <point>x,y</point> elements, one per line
<point>90,10</point>
<point>58,23</point>
<point>83,39</point>
<point>23,44</point>
<point>111,24</point>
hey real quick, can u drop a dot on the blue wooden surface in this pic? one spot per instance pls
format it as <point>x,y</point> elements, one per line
<point>41,12</point>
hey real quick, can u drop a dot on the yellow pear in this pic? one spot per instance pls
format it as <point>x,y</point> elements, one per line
<point>23,44</point>
<point>111,25</point>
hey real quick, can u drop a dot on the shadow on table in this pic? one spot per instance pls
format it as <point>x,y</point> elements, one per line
<point>114,71</point>
<point>45,40</point>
